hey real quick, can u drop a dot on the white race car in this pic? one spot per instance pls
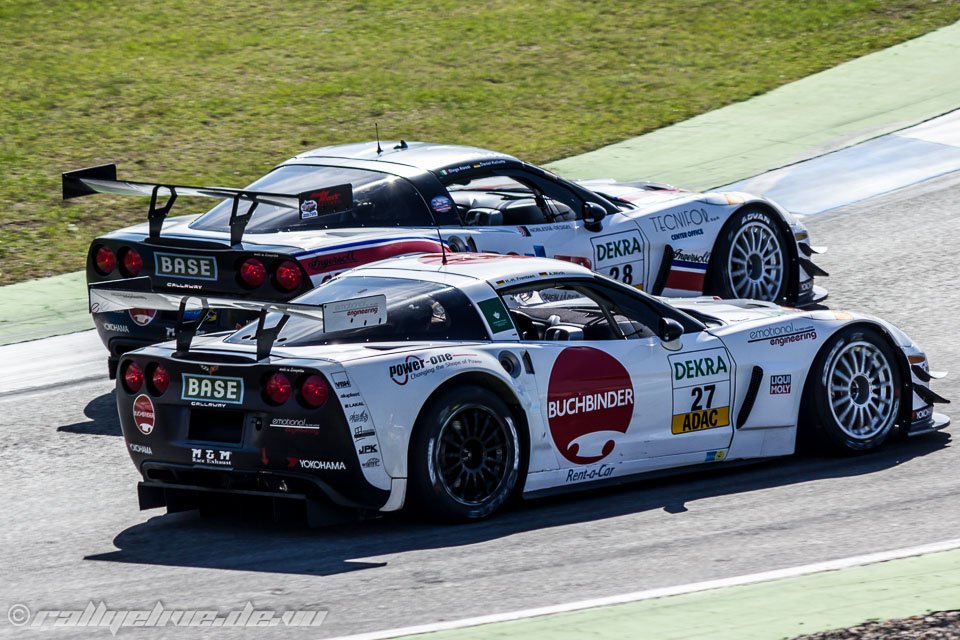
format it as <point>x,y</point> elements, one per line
<point>335,208</point>
<point>449,382</point>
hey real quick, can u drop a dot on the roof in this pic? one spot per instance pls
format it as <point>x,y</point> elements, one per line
<point>421,155</point>
<point>498,270</point>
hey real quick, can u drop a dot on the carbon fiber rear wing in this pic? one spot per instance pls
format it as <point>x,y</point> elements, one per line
<point>103,179</point>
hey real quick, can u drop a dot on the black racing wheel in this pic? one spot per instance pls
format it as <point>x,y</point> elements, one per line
<point>464,456</point>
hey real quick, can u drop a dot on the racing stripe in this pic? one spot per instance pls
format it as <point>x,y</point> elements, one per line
<point>315,264</point>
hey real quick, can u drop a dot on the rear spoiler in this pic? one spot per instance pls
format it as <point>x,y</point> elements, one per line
<point>103,179</point>
<point>135,293</point>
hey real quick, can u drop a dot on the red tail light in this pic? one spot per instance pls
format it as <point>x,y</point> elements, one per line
<point>106,261</point>
<point>313,391</point>
<point>253,273</point>
<point>132,262</point>
<point>159,380</point>
<point>288,275</point>
<point>132,377</point>
<point>278,388</point>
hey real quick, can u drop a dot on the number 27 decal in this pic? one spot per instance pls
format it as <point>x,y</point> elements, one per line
<point>698,393</point>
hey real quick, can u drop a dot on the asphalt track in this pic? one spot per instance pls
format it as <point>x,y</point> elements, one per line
<point>72,532</point>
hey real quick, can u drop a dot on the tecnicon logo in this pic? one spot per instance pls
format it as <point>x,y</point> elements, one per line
<point>144,415</point>
<point>589,404</point>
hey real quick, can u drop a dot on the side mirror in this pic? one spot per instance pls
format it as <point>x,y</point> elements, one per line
<point>593,215</point>
<point>670,330</point>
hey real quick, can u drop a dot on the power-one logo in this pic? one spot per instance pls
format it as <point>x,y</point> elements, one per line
<point>589,404</point>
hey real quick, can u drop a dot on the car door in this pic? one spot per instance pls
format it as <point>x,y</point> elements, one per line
<point>614,397</point>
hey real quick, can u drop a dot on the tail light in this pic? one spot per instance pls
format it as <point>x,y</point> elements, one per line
<point>288,275</point>
<point>313,391</point>
<point>132,377</point>
<point>105,260</point>
<point>252,272</point>
<point>132,262</point>
<point>278,388</point>
<point>159,380</point>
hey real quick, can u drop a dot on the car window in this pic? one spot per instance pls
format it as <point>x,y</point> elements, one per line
<point>493,199</point>
<point>580,311</point>
<point>378,200</point>
<point>415,311</point>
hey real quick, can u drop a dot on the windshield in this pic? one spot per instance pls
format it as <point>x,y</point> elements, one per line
<point>378,200</point>
<point>415,311</point>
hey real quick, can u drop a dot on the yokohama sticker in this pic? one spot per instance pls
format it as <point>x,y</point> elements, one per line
<point>144,415</point>
<point>589,404</point>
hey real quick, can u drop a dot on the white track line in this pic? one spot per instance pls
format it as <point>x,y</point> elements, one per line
<point>636,596</point>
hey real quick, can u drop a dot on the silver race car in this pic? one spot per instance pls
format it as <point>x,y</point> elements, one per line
<point>450,382</point>
<point>335,208</point>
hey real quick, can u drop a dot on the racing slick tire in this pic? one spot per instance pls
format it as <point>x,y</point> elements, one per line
<point>750,259</point>
<point>852,401</point>
<point>464,456</point>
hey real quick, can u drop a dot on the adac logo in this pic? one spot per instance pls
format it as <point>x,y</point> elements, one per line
<point>144,415</point>
<point>589,404</point>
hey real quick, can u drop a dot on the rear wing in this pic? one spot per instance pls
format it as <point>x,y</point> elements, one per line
<point>133,293</point>
<point>103,179</point>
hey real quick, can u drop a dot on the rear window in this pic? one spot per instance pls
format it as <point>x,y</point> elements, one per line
<point>379,200</point>
<point>416,311</point>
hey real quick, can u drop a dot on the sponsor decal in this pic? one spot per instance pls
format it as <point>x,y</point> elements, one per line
<point>116,328</point>
<point>294,423</point>
<point>144,415</point>
<point>806,286</point>
<point>441,204</point>
<point>413,367</point>
<point>686,234</point>
<point>142,317</point>
<point>547,228</point>
<point>780,384</point>
<point>212,388</point>
<point>523,231</point>
<point>216,457</point>
<point>141,449</point>
<point>336,261</point>
<point>194,267</point>
<point>359,416</point>
<point>618,248</point>
<point>590,401</point>
<point>308,209</point>
<point>467,258</point>
<point>361,432</point>
<point>922,414</point>
<point>372,463</point>
<point>367,449</point>
<point>496,315</point>
<point>316,465</point>
<point>352,314</point>
<point>183,285</point>
<point>701,391</point>
<point>324,201</point>
<point>715,456</point>
<point>340,380</point>
<point>783,334</point>
<point>589,473</point>
<point>680,220</point>
<point>688,270</point>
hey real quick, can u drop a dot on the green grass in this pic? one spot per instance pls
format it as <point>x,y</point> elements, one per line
<point>217,92</point>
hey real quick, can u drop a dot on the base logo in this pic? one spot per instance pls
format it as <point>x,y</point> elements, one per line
<point>589,404</point>
<point>144,415</point>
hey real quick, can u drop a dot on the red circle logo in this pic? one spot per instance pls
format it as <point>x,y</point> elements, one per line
<point>143,414</point>
<point>142,317</point>
<point>589,404</point>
